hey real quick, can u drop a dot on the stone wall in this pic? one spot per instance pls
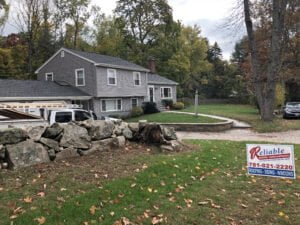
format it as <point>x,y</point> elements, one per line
<point>42,144</point>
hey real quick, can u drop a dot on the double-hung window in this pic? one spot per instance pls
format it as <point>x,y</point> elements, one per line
<point>111,105</point>
<point>137,78</point>
<point>80,77</point>
<point>49,77</point>
<point>134,102</point>
<point>111,77</point>
<point>166,92</point>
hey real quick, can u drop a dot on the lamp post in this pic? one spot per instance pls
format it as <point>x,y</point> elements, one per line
<point>196,102</point>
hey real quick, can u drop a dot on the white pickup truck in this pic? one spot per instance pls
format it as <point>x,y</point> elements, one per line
<point>68,115</point>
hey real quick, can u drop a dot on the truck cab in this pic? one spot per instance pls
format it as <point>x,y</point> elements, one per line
<point>68,115</point>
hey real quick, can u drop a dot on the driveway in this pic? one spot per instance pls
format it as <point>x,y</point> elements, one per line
<point>291,137</point>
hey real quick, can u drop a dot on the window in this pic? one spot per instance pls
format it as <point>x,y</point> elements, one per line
<point>137,78</point>
<point>63,117</point>
<point>49,76</point>
<point>111,105</point>
<point>82,116</point>
<point>80,77</point>
<point>62,54</point>
<point>111,77</point>
<point>134,102</point>
<point>166,92</point>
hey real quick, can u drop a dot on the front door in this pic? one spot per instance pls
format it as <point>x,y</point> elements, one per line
<point>151,94</point>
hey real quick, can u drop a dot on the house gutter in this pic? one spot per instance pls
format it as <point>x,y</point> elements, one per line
<point>5,99</point>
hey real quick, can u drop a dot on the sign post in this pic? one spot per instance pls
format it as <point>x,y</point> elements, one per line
<point>271,160</point>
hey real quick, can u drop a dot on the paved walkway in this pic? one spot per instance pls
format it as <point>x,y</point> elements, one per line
<point>236,123</point>
<point>292,137</point>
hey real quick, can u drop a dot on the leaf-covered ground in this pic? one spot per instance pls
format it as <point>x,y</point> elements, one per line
<point>205,185</point>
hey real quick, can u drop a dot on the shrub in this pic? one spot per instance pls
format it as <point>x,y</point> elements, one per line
<point>137,111</point>
<point>178,106</point>
<point>150,107</point>
<point>168,103</point>
<point>279,96</point>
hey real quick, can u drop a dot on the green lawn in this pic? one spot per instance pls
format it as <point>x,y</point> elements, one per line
<point>207,186</point>
<point>248,114</point>
<point>165,117</point>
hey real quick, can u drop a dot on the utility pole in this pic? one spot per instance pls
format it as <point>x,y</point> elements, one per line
<point>196,102</point>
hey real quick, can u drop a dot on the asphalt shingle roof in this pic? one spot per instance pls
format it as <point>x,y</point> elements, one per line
<point>157,79</point>
<point>109,60</point>
<point>35,88</point>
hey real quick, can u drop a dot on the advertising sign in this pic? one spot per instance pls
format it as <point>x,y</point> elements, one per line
<point>271,160</point>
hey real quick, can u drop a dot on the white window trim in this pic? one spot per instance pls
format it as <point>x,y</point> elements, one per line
<point>115,72</point>
<point>137,102</point>
<point>162,93</point>
<point>62,54</point>
<point>113,99</point>
<point>46,76</point>
<point>140,79</point>
<point>76,77</point>
<point>151,86</point>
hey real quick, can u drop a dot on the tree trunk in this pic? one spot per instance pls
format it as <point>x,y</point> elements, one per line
<point>264,86</point>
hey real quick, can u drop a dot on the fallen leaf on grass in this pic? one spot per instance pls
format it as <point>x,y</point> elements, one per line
<point>203,203</point>
<point>133,185</point>
<point>172,199</point>
<point>281,214</point>
<point>215,206</point>
<point>188,202</point>
<point>40,220</point>
<point>289,181</point>
<point>27,199</point>
<point>112,213</point>
<point>157,220</point>
<point>93,210</point>
<point>244,206</point>
<point>281,202</point>
<point>162,183</point>
<point>41,194</point>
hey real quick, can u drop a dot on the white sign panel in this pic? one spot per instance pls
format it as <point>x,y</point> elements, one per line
<point>271,160</point>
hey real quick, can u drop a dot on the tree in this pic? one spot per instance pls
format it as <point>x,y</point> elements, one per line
<point>109,37</point>
<point>265,78</point>
<point>77,12</point>
<point>189,64</point>
<point>4,10</point>
<point>28,21</point>
<point>141,20</point>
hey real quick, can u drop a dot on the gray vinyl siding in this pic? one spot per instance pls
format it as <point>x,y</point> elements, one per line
<point>126,106</point>
<point>158,98</point>
<point>125,84</point>
<point>63,69</point>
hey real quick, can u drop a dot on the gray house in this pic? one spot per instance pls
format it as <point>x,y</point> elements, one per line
<point>114,85</point>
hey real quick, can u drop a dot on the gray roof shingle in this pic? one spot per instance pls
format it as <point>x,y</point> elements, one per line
<point>108,60</point>
<point>37,89</point>
<point>157,79</point>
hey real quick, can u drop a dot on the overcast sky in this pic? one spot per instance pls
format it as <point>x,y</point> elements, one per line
<point>210,15</point>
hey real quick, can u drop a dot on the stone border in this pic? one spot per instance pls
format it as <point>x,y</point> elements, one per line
<point>200,127</point>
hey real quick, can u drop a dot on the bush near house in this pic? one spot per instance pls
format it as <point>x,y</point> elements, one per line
<point>137,111</point>
<point>150,107</point>
<point>178,106</point>
<point>168,103</point>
